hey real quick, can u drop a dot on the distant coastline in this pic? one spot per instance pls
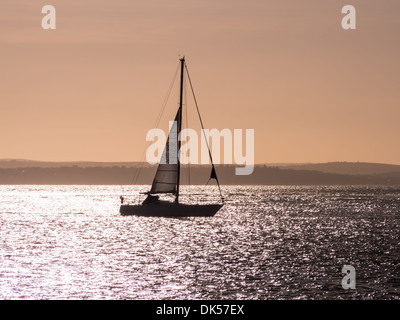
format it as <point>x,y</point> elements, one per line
<point>14,172</point>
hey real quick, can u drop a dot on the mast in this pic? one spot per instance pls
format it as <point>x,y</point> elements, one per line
<point>179,128</point>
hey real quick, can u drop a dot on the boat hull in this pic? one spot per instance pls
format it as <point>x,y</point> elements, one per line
<point>170,210</point>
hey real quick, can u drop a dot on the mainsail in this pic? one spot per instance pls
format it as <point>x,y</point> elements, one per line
<point>166,179</point>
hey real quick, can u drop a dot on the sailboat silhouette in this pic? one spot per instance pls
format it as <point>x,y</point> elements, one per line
<point>167,177</point>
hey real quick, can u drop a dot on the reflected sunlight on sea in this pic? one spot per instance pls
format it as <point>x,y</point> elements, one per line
<point>69,242</point>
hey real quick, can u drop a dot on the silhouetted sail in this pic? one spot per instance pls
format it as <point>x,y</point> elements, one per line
<point>166,178</point>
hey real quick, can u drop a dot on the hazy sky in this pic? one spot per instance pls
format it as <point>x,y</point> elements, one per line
<point>92,88</point>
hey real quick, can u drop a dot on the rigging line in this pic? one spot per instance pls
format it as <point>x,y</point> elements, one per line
<point>187,126</point>
<point>138,170</point>
<point>166,98</point>
<point>205,138</point>
<point>160,113</point>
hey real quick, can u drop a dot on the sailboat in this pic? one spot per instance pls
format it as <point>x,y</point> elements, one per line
<point>167,177</point>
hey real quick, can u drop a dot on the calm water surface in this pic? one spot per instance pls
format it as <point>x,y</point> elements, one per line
<point>69,242</point>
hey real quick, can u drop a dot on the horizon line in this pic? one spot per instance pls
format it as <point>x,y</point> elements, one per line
<point>255,164</point>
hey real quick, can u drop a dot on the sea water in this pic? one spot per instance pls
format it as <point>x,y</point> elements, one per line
<point>275,242</point>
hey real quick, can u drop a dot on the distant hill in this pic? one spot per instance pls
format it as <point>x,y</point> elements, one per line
<point>352,168</point>
<point>121,175</point>
<point>344,167</point>
<point>20,163</point>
